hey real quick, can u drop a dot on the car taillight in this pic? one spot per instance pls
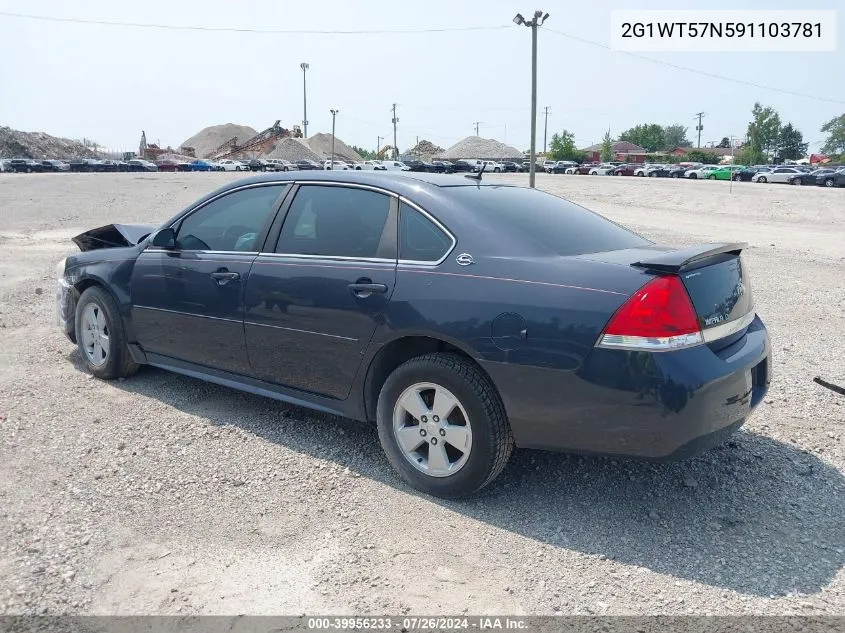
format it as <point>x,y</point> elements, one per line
<point>659,317</point>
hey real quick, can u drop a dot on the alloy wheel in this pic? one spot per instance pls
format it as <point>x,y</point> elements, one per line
<point>95,334</point>
<point>432,429</point>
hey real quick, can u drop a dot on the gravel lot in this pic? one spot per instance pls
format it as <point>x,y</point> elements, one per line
<point>163,494</point>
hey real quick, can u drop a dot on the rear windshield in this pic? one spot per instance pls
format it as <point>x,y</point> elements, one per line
<point>557,224</point>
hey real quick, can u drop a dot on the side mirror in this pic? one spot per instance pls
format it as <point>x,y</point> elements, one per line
<point>165,238</point>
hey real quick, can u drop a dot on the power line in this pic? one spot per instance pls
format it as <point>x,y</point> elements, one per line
<point>174,27</point>
<point>696,71</point>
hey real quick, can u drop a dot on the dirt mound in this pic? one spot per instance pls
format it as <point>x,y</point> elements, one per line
<point>292,149</point>
<point>16,144</point>
<point>210,138</point>
<point>321,144</point>
<point>481,148</point>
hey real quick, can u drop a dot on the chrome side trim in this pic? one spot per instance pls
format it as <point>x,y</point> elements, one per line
<point>190,314</point>
<point>293,329</point>
<point>724,330</point>
<point>341,258</point>
<point>165,250</point>
<point>353,185</point>
<point>437,223</point>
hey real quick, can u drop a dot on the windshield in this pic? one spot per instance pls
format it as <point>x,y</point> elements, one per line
<point>552,222</point>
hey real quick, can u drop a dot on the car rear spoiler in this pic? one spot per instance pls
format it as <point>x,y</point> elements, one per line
<point>677,260</point>
<point>113,236</point>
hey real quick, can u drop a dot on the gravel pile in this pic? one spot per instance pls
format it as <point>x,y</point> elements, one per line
<point>321,144</point>
<point>292,149</point>
<point>16,144</point>
<point>210,138</point>
<point>425,150</point>
<point>481,148</point>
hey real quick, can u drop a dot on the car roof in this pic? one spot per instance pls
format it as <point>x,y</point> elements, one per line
<point>396,181</point>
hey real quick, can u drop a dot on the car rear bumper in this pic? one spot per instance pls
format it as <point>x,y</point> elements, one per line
<point>651,405</point>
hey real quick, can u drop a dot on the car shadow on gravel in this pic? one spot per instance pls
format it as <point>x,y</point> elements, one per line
<point>755,515</point>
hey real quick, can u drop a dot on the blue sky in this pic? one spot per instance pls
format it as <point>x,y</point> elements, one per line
<point>108,82</point>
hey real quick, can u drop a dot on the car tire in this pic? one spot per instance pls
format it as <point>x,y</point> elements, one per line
<point>711,177</point>
<point>693,176</point>
<point>674,175</point>
<point>829,182</point>
<point>796,181</point>
<point>98,319</point>
<point>652,175</point>
<point>476,406</point>
<point>761,179</point>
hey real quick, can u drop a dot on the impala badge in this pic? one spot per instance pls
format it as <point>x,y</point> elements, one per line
<point>464,259</point>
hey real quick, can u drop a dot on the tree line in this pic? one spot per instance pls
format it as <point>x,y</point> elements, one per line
<point>767,139</point>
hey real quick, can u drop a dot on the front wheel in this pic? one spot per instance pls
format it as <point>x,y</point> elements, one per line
<point>761,179</point>
<point>674,175</point>
<point>442,425</point>
<point>693,176</point>
<point>652,175</point>
<point>828,182</point>
<point>711,177</point>
<point>100,336</point>
<point>797,181</point>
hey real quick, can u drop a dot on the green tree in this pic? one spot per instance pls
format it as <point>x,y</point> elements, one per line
<point>725,142</point>
<point>606,152</point>
<point>563,148</point>
<point>366,154</point>
<point>697,156</point>
<point>675,135</point>
<point>791,145</point>
<point>835,141</point>
<point>764,130</point>
<point>649,136</point>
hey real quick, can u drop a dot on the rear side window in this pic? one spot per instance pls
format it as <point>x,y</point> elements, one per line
<point>550,222</point>
<point>420,239</point>
<point>338,222</point>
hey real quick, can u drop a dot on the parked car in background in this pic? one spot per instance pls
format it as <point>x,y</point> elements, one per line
<point>809,177</point>
<point>671,355</point>
<point>168,164</point>
<point>278,164</point>
<point>372,165</point>
<point>560,167</point>
<point>229,164</point>
<point>108,165</point>
<point>448,166</point>
<point>462,166</point>
<point>416,165</point>
<point>746,174</point>
<point>836,179</point>
<point>725,172</point>
<point>547,165</point>
<point>583,170</point>
<point>510,167</point>
<point>338,165</point>
<point>55,165</point>
<point>137,164</point>
<point>307,165</point>
<point>395,165</point>
<point>781,175</point>
<point>257,164</point>
<point>602,169</point>
<point>626,169</point>
<point>700,172</point>
<point>201,164</point>
<point>642,170</point>
<point>658,171</point>
<point>25,165</point>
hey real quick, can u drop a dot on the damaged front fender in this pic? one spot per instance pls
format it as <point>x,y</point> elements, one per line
<point>113,236</point>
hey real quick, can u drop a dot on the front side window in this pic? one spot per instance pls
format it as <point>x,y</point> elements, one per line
<point>230,223</point>
<point>338,222</point>
<point>420,239</point>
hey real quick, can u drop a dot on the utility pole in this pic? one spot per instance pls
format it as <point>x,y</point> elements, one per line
<point>378,144</point>
<point>304,67</point>
<point>699,127</point>
<point>538,20</point>
<point>334,114</point>
<point>476,124</point>
<point>395,144</point>
<point>545,129</point>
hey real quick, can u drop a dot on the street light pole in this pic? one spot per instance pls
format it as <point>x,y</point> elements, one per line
<point>378,144</point>
<point>304,67</point>
<point>538,20</point>
<point>334,114</point>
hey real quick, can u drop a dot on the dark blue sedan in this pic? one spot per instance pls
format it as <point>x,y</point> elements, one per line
<point>463,318</point>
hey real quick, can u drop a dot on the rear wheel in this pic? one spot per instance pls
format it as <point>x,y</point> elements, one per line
<point>711,177</point>
<point>796,181</point>
<point>828,182</point>
<point>653,175</point>
<point>693,176</point>
<point>761,179</point>
<point>100,336</point>
<point>674,175</point>
<point>442,425</point>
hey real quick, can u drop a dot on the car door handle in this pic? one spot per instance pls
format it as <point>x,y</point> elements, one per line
<point>364,289</point>
<point>222,277</point>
